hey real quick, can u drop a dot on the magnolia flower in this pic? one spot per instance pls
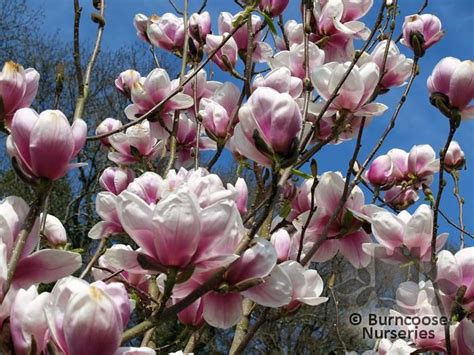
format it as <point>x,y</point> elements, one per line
<point>400,197</point>
<point>345,234</point>
<point>200,26</point>
<point>273,8</point>
<point>403,236</point>
<point>106,126</point>
<point>380,171</point>
<point>281,242</point>
<point>115,180</point>
<point>150,91</point>
<point>419,300</point>
<point>140,22</point>
<point>45,144</point>
<point>166,31</point>
<point>176,232</point>
<point>242,195</point>
<point>106,208</point>
<point>18,88</point>
<point>226,57</point>
<point>87,318</point>
<point>54,231</point>
<point>454,158</point>
<point>301,202</point>
<point>455,271</point>
<point>126,80</point>
<point>45,265</point>
<point>226,25</point>
<point>135,144</point>
<point>355,93</point>
<point>306,284</point>
<point>28,325</point>
<point>281,80</point>
<point>336,26</point>
<point>218,111</point>
<point>397,67</point>
<point>254,275</point>
<point>464,337</point>
<point>269,126</point>
<point>116,259</point>
<point>420,32</point>
<point>293,59</point>
<point>451,86</point>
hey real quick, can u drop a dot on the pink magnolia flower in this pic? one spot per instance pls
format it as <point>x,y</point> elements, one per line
<point>126,80</point>
<point>87,318</point>
<point>106,126</point>
<point>455,271</point>
<point>54,231</point>
<point>418,300</point>
<point>117,258</point>
<point>281,80</point>
<point>281,242</point>
<point>106,208</point>
<point>199,87</point>
<point>166,32</point>
<point>354,95</point>
<point>397,66</point>
<point>463,337</point>
<point>306,284</point>
<point>400,234</point>
<point>28,323</point>
<point>226,57</point>
<point>380,171</point>
<point>18,88</point>
<point>150,91</point>
<point>293,59</point>
<point>200,26</point>
<point>218,111</point>
<point>135,144</point>
<point>454,158</point>
<point>301,202</point>
<point>294,34</point>
<point>269,126</point>
<point>140,22</point>
<point>242,195</point>
<point>256,265</point>
<point>273,8</point>
<point>454,79</point>
<point>178,231</point>
<point>115,180</point>
<point>421,31</point>
<point>400,197</point>
<point>43,266</point>
<point>345,234</point>
<point>336,26</point>
<point>45,144</point>
<point>226,25</point>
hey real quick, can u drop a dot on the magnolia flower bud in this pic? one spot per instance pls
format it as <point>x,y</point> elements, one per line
<point>420,32</point>
<point>200,26</point>
<point>125,81</point>
<point>45,144</point>
<point>451,87</point>
<point>454,158</point>
<point>115,179</point>
<point>380,171</point>
<point>226,56</point>
<point>18,89</point>
<point>54,231</point>
<point>106,126</point>
<point>140,22</point>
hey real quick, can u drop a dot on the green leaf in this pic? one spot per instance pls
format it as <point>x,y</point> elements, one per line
<point>301,174</point>
<point>269,22</point>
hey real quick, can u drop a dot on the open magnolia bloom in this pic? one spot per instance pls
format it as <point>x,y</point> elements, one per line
<point>345,234</point>
<point>456,271</point>
<point>403,237</point>
<point>42,266</point>
<point>18,88</point>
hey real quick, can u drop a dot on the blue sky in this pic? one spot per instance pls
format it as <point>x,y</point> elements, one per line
<point>418,123</point>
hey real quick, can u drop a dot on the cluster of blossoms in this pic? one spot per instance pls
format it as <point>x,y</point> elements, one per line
<point>187,226</point>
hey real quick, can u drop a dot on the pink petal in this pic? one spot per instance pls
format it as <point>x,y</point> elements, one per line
<point>222,310</point>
